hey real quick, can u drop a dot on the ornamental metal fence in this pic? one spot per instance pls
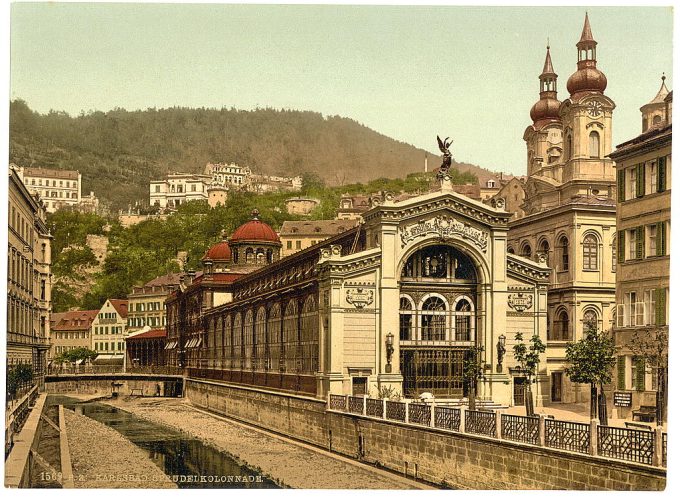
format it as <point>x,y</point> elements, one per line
<point>374,407</point>
<point>572,436</point>
<point>520,429</point>
<point>355,404</point>
<point>338,402</point>
<point>447,418</point>
<point>396,410</point>
<point>640,446</point>
<point>480,422</point>
<point>419,413</point>
<point>626,444</point>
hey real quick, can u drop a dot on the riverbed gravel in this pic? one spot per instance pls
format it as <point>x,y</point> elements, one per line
<point>286,462</point>
<point>103,458</point>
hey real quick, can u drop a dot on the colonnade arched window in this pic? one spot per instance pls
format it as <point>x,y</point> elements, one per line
<point>290,335</point>
<point>260,343</point>
<point>226,341</point>
<point>274,330</point>
<point>247,344</point>
<point>309,336</point>
<point>236,342</point>
<point>436,321</point>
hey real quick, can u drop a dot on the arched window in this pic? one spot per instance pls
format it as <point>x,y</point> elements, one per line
<point>544,249</point>
<point>594,145</point>
<point>270,256</point>
<point>247,343</point>
<point>656,120</point>
<point>309,336</point>
<point>290,336</point>
<point>511,250</point>
<point>439,262</point>
<point>563,246</point>
<point>236,342</point>
<point>433,319</point>
<point>526,250</point>
<point>260,342</point>
<point>590,252</point>
<point>644,124</point>
<point>406,318</point>
<point>560,329</point>
<point>234,255</point>
<point>226,342</point>
<point>589,320</point>
<point>568,150</point>
<point>614,257</point>
<point>464,317</point>
<point>250,255</point>
<point>274,333</point>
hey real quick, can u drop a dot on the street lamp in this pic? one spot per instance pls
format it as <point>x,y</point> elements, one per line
<point>389,345</point>
<point>500,353</point>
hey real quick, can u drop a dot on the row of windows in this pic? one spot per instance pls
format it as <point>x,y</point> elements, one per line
<point>593,146</point>
<point>21,271</point>
<point>648,309</point>
<point>63,349</point>
<point>433,320</point>
<point>107,315</point>
<point>140,322</point>
<point>642,179</point>
<point>20,317</point>
<point>633,374</point>
<point>644,241</point>
<point>104,330</point>
<point>62,183</point>
<point>76,335</point>
<point>61,195</point>
<point>104,346</point>
<point>21,225</point>
<point>145,306</point>
<point>298,244</point>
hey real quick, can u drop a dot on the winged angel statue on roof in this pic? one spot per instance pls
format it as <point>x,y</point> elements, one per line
<point>446,157</point>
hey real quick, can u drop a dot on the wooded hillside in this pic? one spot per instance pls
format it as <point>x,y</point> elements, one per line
<point>119,151</point>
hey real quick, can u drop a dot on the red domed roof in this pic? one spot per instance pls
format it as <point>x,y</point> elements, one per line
<point>256,231</point>
<point>586,78</point>
<point>218,252</point>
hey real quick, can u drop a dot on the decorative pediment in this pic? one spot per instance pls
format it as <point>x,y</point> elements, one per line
<point>444,227</point>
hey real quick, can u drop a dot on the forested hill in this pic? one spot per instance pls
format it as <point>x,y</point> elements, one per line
<point>118,152</point>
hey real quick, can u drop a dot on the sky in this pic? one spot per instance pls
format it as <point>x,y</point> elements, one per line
<point>408,72</point>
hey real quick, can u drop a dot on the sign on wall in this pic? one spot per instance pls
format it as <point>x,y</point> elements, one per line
<point>623,399</point>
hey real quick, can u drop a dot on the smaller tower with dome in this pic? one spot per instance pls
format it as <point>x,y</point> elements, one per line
<point>654,112</point>
<point>254,243</point>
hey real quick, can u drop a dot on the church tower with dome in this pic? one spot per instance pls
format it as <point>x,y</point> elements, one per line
<point>570,211</point>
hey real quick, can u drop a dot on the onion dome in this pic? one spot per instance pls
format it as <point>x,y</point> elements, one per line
<point>587,77</point>
<point>219,251</point>
<point>255,231</point>
<point>547,107</point>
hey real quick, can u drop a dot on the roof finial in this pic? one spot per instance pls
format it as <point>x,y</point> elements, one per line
<point>255,214</point>
<point>587,34</point>
<point>663,77</point>
<point>548,47</point>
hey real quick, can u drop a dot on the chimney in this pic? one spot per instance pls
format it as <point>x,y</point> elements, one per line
<point>191,274</point>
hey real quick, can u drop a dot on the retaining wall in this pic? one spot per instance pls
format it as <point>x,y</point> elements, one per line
<point>101,384</point>
<point>449,458</point>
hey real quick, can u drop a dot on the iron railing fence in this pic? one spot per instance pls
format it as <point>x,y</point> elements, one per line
<point>480,422</point>
<point>396,410</point>
<point>572,436</point>
<point>626,444</point>
<point>447,418</point>
<point>355,404</point>
<point>16,415</point>
<point>520,429</point>
<point>419,413</point>
<point>338,402</point>
<point>374,407</point>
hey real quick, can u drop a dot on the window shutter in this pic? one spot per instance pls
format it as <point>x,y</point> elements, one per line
<point>661,177</point>
<point>661,238</point>
<point>621,369</point>
<point>639,374</point>
<point>640,243</point>
<point>621,184</point>
<point>640,188</point>
<point>621,243</point>
<point>660,306</point>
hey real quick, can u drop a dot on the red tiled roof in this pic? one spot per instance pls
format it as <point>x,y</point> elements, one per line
<point>154,333</point>
<point>69,321</point>
<point>121,307</point>
<point>219,252</point>
<point>165,280</point>
<point>50,173</point>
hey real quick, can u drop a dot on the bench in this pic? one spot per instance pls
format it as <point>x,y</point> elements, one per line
<point>645,414</point>
<point>141,392</point>
<point>638,427</point>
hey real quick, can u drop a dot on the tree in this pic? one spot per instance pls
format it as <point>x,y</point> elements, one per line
<point>528,358</point>
<point>77,354</point>
<point>652,348</point>
<point>472,372</point>
<point>592,361</point>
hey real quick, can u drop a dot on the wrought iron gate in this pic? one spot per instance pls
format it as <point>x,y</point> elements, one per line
<point>435,370</point>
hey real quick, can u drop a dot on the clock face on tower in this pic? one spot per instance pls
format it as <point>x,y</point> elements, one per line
<point>594,108</point>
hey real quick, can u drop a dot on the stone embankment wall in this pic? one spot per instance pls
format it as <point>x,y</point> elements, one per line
<point>447,458</point>
<point>101,384</point>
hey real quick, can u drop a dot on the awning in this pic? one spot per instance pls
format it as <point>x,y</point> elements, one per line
<point>171,345</point>
<point>109,359</point>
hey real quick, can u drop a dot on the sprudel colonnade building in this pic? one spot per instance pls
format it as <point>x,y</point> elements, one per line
<point>432,273</point>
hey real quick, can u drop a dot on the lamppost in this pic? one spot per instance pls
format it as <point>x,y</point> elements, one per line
<point>389,346</point>
<point>500,353</point>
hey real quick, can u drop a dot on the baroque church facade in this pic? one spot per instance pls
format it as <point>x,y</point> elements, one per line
<point>570,221</point>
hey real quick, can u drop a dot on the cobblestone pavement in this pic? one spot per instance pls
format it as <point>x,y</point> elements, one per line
<point>103,458</point>
<point>282,460</point>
